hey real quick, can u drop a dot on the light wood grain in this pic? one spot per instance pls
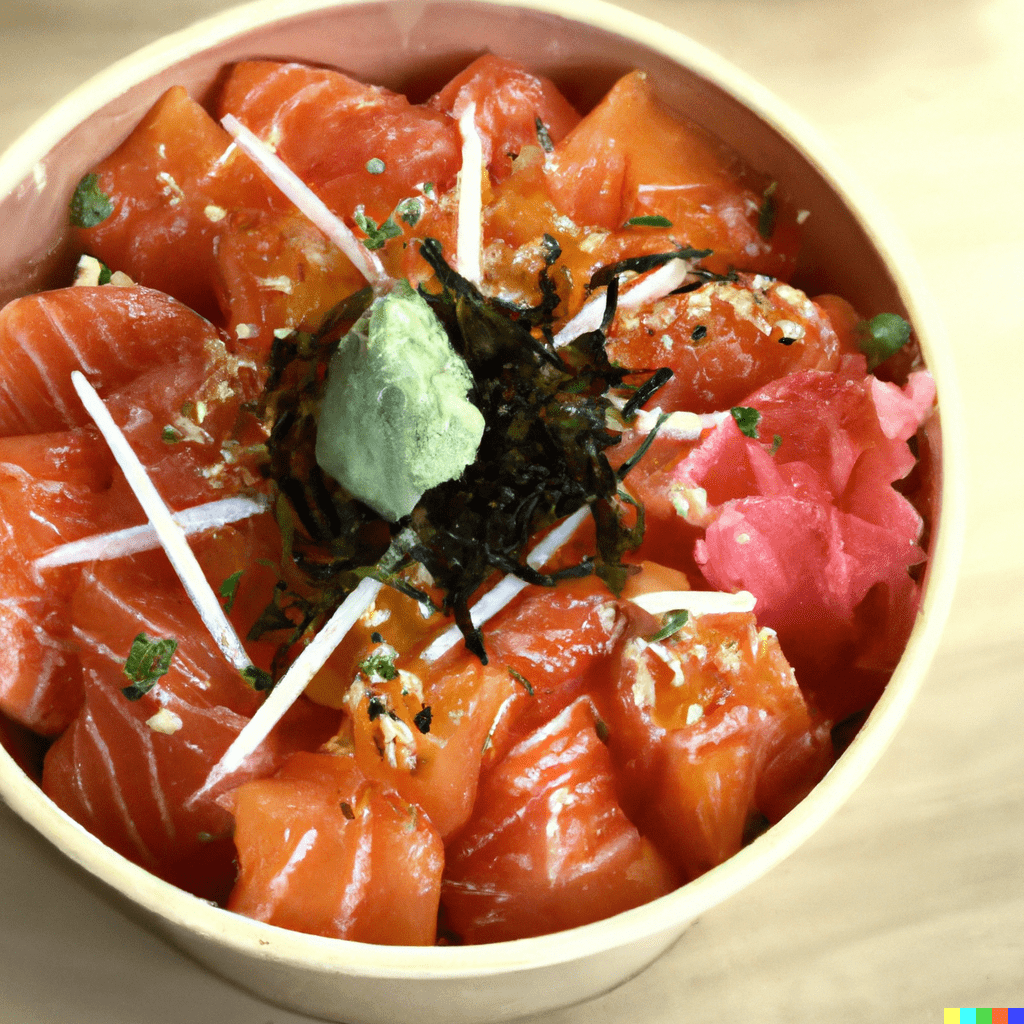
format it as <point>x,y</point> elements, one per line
<point>912,897</point>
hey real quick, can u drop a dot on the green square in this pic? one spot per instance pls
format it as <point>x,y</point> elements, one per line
<point>983,1016</point>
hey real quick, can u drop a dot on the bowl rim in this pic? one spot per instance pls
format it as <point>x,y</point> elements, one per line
<point>670,912</point>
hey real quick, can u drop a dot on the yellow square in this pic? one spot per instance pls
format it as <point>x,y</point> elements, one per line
<point>951,1016</point>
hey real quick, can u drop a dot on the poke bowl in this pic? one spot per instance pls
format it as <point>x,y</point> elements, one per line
<point>795,252</point>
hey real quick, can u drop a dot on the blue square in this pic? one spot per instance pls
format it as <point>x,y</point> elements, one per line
<point>1015,1015</point>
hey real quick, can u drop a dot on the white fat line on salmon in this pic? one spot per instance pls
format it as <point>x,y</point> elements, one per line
<point>469,237</point>
<point>121,543</point>
<point>655,285</point>
<point>494,600</point>
<point>300,673</point>
<point>309,203</point>
<point>696,602</point>
<point>171,535</point>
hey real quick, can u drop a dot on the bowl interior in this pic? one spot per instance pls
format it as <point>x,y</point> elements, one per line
<point>410,45</point>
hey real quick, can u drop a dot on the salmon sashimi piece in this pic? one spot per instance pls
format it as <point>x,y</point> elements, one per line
<point>111,334</point>
<point>323,850</point>
<point>174,186</point>
<point>548,846</point>
<point>132,768</point>
<point>357,145</point>
<point>509,102</point>
<point>631,156</point>
<point>52,490</point>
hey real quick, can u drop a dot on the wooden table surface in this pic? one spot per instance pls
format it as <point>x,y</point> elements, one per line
<point>911,898</point>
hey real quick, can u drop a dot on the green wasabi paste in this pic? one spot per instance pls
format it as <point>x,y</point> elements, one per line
<point>395,419</point>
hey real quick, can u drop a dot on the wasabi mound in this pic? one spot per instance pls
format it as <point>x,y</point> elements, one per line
<point>396,419</point>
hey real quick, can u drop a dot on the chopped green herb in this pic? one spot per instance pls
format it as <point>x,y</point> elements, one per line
<point>700,332</point>
<point>105,274</point>
<point>429,188</point>
<point>521,679</point>
<point>376,234</point>
<point>543,136</point>
<point>211,837</point>
<point>375,165</point>
<point>90,205</point>
<point>257,678</point>
<point>882,336</point>
<point>229,590</point>
<point>147,661</point>
<point>409,211</point>
<point>670,626</point>
<point>346,810</point>
<point>746,419</point>
<point>769,212</point>
<point>648,221</point>
<point>776,444</point>
<point>422,720</point>
<point>376,638</point>
<point>169,435</point>
<point>375,707</point>
<point>380,665</point>
<point>601,728</point>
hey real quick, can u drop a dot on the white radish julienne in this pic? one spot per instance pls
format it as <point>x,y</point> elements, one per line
<point>308,202</point>
<point>300,673</point>
<point>469,236</point>
<point>696,602</point>
<point>121,543</point>
<point>653,286</point>
<point>171,535</point>
<point>494,600</point>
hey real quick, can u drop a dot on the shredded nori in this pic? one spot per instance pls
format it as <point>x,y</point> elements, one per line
<point>542,457</point>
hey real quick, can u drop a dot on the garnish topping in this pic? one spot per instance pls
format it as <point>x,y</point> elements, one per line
<point>521,679</point>
<point>746,419</point>
<point>648,221</point>
<point>375,165</point>
<point>228,590</point>
<point>672,624</point>
<point>377,235</point>
<point>90,205</point>
<point>469,239</point>
<point>395,419</point>
<point>422,720</point>
<point>380,666</point>
<point>768,213</point>
<point>134,539</point>
<point>147,661</point>
<point>696,602</point>
<point>882,336</point>
<point>544,136</point>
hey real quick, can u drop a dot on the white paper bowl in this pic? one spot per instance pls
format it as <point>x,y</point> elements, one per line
<point>850,250</point>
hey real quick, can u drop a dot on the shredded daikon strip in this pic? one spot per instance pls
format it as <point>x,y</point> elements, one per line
<point>683,426</point>
<point>296,679</point>
<point>494,600</point>
<point>365,261</point>
<point>171,535</point>
<point>653,286</point>
<point>121,543</point>
<point>696,602</point>
<point>469,240</point>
